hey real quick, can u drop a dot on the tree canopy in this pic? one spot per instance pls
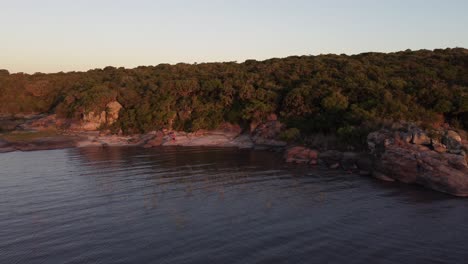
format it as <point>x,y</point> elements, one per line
<point>326,93</point>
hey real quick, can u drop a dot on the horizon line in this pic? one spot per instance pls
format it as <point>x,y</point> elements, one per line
<point>232,61</point>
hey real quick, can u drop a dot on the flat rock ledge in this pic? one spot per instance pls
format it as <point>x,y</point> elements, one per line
<point>150,140</point>
<point>436,161</point>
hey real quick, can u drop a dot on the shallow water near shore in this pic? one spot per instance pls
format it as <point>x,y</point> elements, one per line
<point>214,205</point>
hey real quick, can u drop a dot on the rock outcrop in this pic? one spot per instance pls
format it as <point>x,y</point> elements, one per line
<point>434,159</point>
<point>93,121</point>
<point>227,135</point>
<point>430,166</point>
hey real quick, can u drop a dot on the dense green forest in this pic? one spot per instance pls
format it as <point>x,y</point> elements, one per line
<point>326,93</point>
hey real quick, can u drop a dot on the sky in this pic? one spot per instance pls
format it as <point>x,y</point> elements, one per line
<point>78,35</point>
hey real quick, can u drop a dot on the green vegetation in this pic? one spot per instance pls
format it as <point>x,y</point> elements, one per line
<point>329,94</point>
<point>290,135</point>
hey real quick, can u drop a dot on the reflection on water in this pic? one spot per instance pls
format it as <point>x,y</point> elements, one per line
<point>212,205</point>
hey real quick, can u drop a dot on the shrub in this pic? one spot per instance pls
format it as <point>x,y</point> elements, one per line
<point>290,135</point>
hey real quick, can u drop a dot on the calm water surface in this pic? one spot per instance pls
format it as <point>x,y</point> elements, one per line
<point>211,205</point>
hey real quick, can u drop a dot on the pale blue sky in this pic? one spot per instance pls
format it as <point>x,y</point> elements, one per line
<point>66,35</point>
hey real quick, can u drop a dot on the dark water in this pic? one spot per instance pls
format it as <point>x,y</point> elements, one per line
<point>195,205</point>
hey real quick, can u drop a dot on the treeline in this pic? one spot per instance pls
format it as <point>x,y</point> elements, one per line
<point>326,93</point>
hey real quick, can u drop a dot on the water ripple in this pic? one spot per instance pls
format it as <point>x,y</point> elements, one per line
<point>214,205</point>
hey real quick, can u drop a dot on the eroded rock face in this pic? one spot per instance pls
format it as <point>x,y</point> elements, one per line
<point>93,121</point>
<point>397,160</point>
<point>112,112</point>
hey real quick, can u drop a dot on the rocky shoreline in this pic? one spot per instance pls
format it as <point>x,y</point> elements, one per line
<point>435,159</point>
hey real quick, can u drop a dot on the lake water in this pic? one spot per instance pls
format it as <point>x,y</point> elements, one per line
<point>213,205</point>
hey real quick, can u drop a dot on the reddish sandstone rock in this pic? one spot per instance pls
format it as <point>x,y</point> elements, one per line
<point>398,163</point>
<point>93,121</point>
<point>410,164</point>
<point>301,155</point>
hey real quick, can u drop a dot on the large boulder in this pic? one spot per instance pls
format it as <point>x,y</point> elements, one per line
<point>397,160</point>
<point>398,163</point>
